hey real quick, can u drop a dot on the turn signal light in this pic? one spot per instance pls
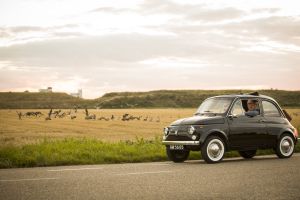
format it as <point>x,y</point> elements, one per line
<point>296,133</point>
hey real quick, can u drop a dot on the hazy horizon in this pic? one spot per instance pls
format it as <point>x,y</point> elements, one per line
<point>145,45</point>
<point>242,89</point>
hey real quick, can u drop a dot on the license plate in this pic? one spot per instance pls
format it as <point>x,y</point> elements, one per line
<point>176,147</point>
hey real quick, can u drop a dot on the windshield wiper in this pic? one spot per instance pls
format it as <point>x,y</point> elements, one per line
<point>206,113</point>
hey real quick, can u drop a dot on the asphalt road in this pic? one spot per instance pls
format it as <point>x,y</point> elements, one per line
<point>265,177</point>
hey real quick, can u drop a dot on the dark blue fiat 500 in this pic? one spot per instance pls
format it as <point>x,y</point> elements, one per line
<point>232,122</point>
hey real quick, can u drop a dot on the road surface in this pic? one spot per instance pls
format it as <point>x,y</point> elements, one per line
<point>264,177</point>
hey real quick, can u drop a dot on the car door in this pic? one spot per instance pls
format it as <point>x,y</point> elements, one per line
<point>273,120</point>
<point>244,132</point>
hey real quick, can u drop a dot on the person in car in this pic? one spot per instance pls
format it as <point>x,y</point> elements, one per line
<point>253,109</point>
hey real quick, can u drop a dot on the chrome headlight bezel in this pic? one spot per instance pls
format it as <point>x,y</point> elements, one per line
<point>191,130</point>
<point>166,131</point>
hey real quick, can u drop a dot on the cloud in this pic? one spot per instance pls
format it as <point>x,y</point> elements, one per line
<point>91,50</point>
<point>21,29</point>
<point>10,35</point>
<point>155,45</point>
<point>206,15</point>
<point>194,12</point>
<point>265,10</point>
<point>282,30</point>
<point>111,10</point>
<point>131,50</point>
<point>279,28</point>
<point>117,51</point>
<point>197,12</point>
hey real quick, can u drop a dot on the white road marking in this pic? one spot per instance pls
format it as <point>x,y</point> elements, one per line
<point>137,173</point>
<point>28,179</point>
<point>74,169</point>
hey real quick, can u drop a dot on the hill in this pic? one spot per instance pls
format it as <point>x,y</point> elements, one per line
<point>39,100</point>
<point>184,98</point>
<point>151,99</point>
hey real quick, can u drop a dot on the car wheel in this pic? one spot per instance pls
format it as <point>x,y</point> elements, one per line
<point>247,154</point>
<point>213,149</point>
<point>177,155</point>
<point>285,146</point>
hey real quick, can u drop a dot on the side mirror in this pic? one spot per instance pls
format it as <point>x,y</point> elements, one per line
<point>251,113</point>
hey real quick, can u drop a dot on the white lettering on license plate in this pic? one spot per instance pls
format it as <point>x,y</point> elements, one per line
<point>176,147</point>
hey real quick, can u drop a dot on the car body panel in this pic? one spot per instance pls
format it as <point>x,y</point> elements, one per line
<point>246,132</point>
<point>199,120</point>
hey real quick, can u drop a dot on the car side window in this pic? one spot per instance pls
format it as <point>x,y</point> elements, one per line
<point>270,110</point>
<point>237,108</point>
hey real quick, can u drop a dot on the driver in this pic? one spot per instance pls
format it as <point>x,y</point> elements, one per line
<point>253,110</point>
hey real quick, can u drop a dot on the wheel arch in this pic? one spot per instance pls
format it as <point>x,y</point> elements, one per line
<point>215,132</point>
<point>287,131</point>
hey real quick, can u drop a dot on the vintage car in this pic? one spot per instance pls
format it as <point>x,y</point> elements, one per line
<point>243,122</point>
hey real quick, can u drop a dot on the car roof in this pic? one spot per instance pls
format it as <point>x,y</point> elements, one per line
<point>246,96</point>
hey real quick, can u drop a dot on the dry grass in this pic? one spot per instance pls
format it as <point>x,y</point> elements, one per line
<point>30,129</point>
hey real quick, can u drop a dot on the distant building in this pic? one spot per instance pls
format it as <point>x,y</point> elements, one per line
<point>78,94</point>
<point>48,90</point>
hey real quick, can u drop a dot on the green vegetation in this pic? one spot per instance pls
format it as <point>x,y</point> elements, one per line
<point>185,98</point>
<point>80,151</point>
<point>39,100</point>
<point>152,99</point>
<point>73,151</point>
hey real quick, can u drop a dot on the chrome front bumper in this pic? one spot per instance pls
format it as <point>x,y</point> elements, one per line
<point>180,142</point>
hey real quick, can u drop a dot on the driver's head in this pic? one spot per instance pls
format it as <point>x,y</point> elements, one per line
<point>252,104</point>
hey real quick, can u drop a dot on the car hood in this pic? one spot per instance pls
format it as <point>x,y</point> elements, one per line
<point>199,120</point>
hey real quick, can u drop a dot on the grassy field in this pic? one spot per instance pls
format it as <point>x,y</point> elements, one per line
<point>34,141</point>
<point>31,129</point>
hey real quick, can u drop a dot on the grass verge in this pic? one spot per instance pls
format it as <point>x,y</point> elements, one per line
<point>74,151</point>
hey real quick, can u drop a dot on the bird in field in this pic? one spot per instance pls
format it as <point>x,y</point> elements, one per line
<point>49,115</point>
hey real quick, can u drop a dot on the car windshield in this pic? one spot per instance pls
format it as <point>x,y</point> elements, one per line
<point>214,106</point>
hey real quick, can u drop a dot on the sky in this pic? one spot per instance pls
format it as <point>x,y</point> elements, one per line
<point>142,45</point>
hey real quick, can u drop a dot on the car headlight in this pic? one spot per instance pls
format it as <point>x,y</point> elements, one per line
<point>166,131</point>
<point>191,130</point>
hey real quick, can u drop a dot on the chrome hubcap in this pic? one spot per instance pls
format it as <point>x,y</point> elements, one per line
<point>286,146</point>
<point>215,149</point>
